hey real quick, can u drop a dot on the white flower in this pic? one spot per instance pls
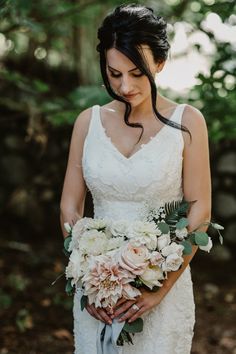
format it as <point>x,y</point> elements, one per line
<point>208,247</point>
<point>156,258</point>
<point>133,259</point>
<point>217,226</point>
<point>76,267</point>
<point>172,248</point>
<point>163,241</point>
<point>114,243</point>
<point>93,242</point>
<point>181,233</point>
<point>143,233</point>
<point>96,224</point>
<point>151,276</point>
<point>172,263</point>
<point>119,228</point>
<point>67,227</point>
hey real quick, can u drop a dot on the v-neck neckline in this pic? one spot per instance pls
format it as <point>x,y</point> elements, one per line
<point>142,146</point>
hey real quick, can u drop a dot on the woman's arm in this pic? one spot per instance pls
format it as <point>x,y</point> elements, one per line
<point>196,187</point>
<point>74,187</point>
<point>74,190</point>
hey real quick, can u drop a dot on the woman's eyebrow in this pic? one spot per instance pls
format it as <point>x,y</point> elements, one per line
<point>119,71</point>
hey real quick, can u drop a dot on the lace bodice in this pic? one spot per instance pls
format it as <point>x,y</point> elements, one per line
<point>120,185</point>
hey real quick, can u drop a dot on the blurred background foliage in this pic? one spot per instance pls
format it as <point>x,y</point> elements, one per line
<point>49,73</point>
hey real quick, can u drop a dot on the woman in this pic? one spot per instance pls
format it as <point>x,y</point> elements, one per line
<point>139,147</point>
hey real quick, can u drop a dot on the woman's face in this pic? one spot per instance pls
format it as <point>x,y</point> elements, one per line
<point>126,79</point>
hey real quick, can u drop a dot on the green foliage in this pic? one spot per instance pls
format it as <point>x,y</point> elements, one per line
<point>5,301</point>
<point>187,247</point>
<point>201,238</point>
<point>183,222</point>
<point>18,282</point>
<point>50,35</point>
<point>69,288</point>
<point>163,227</point>
<point>23,320</point>
<point>134,327</point>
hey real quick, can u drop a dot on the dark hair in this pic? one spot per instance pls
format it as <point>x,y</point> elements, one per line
<point>126,28</point>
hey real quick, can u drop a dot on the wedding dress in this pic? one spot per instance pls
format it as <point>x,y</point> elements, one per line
<point>120,186</point>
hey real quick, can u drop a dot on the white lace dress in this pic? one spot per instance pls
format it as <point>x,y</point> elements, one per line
<point>120,186</point>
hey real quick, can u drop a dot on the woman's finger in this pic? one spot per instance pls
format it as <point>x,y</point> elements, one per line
<point>133,312</point>
<point>104,315</point>
<point>123,308</point>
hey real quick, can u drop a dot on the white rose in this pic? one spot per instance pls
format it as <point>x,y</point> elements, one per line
<point>76,266</point>
<point>156,258</point>
<point>93,242</point>
<point>172,248</point>
<point>163,241</point>
<point>115,242</point>
<point>119,228</point>
<point>96,224</point>
<point>208,247</point>
<point>172,262</point>
<point>151,276</point>
<point>144,233</point>
<point>181,233</point>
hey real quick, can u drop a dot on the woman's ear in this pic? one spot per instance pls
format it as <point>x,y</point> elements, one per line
<point>160,66</point>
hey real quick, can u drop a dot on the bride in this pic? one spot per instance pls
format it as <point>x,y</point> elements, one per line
<point>139,147</point>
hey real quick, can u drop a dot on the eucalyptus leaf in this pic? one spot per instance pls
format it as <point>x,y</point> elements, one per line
<point>67,242</point>
<point>201,238</point>
<point>163,227</point>
<point>187,247</point>
<point>69,287</point>
<point>191,238</point>
<point>135,326</point>
<point>183,222</point>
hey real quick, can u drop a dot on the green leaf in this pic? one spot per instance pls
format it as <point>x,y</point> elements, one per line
<point>187,247</point>
<point>135,326</point>
<point>67,242</point>
<point>83,302</point>
<point>163,227</point>
<point>183,222</point>
<point>69,288</point>
<point>201,238</point>
<point>191,238</point>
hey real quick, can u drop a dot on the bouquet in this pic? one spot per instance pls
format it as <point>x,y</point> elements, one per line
<point>111,259</point>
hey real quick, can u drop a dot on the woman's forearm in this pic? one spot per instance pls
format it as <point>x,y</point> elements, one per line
<point>198,214</point>
<point>69,216</point>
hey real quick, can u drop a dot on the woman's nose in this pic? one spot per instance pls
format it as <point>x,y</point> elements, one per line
<point>126,86</point>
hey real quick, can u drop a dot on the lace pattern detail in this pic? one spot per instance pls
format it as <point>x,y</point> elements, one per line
<point>120,189</point>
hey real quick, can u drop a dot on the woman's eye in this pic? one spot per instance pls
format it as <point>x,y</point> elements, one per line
<point>115,75</point>
<point>138,75</point>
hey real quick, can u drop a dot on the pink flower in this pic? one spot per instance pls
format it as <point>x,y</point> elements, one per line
<point>105,282</point>
<point>134,259</point>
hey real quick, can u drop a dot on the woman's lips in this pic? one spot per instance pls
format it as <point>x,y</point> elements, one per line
<point>128,97</point>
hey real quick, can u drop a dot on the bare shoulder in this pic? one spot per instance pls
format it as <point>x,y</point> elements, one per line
<point>193,118</point>
<point>82,122</point>
<point>194,121</point>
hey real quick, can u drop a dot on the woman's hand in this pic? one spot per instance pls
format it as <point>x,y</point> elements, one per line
<point>99,313</point>
<point>130,310</point>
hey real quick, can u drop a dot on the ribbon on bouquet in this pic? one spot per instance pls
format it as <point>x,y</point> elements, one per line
<point>107,336</point>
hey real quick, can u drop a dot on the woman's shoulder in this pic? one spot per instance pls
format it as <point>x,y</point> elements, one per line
<point>193,118</point>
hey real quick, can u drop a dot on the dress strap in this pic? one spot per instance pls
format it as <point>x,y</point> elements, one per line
<point>178,113</point>
<point>93,124</point>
